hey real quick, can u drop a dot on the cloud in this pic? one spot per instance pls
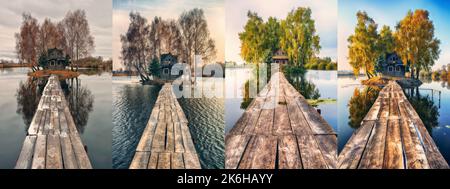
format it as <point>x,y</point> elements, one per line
<point>98,14</point>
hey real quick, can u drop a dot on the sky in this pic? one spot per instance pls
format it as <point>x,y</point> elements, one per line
<point>388,12</point>
<point>98,14</point>
<point>324,12</point>
<point>168,9</point>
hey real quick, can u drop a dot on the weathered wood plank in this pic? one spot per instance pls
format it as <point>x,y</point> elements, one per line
<point>415,154</point>
<point>393,155</point>
<point>140,160</point>
<point>234,149</point>
<point>352,153</point>
<point>288,154</point>
<point>26,154</point>
<point>177,161</point>
<point>54,157</point>
<point>40,151</point>
<point>164,160</point>
<point>68,154</point>
<point>310,153</point>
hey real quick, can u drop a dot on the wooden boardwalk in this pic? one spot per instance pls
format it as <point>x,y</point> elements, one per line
<point>166,142</point>
<point>281,130</point>
<point>391,136</point>
<point>52,141</point>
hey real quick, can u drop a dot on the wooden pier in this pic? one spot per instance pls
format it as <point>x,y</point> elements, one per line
<point>391,136</point>
<point>279,129</point>
<point>166,142</point>
<point>52,141</point>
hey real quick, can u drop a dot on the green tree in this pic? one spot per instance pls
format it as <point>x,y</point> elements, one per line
<point>251,39</point>
<point>298,36</point>
<point>386,41</point>
<point>363,49</point>
<point>155,68</point>
<point>271,37</point>
<point>322,65</point>
<point>415,41</point>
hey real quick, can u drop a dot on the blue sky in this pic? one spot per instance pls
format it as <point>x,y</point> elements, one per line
<point>386,12</point>
<point>324,12</point>
<point>167,9</point>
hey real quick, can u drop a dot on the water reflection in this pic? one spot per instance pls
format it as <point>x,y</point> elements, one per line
<point>424,105</point>
<point>304,86</point>
<point>307,88</point>
<point>79,99</point>
<point>360,103</point>
<point>28,95</point>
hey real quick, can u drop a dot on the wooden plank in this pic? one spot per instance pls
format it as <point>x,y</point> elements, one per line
<point>140,160</point>
<point>68,154</point>
<point>26,154</point>
<point>54,157</point>
<point>262,153</point>
<point>80,152</point>
<point>298,122</point>
<point>352,153</point>
<point>310,154</point>
<point>158,143</point>
<point>234,149</point>
<point>178,138</point>
<point>153,161</point>
<point>393,155</point>
<point>34,126</point>
<point>170,138</point>
<point>40,151</point>
<point>288,154</point>
<point>414,152</point>
<point>374,155</point>
<point>327,145</point>
<point>177,161</point>
<point>282,125</point>
<point>145,143</point>
<point>191,160</point>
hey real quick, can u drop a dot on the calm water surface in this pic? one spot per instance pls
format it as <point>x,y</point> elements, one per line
<point>93,118</point>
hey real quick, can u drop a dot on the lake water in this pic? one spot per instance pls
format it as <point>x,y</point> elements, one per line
<point>93,102</point>
<point>133,104</point>
<point>323,81</point>
<point>433,110</point>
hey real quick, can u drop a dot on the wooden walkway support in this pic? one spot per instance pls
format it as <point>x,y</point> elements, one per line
<point>279,129</point>
<point>391,136</point>
<point>166,142</point>
<point>52,141</point>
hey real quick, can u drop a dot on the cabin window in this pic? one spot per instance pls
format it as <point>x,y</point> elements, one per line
<point>166,71</point>
<point>390,68</point>
<point>397,69</point>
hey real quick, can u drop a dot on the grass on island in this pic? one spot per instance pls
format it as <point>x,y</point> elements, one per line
<point>316,102</point>
<point>62,74</point>
<point>375,81</point>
